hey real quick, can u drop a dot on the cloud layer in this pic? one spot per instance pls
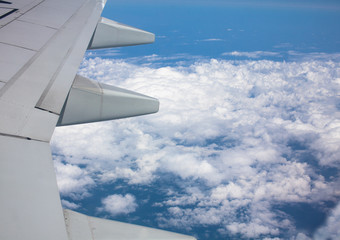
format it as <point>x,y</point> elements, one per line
<point>245,137</point>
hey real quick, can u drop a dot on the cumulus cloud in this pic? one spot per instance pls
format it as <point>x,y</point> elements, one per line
<point>243,137</point>
<point>73,181</point>
<point>117,204</point>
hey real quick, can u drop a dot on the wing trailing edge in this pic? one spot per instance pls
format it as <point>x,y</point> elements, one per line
<point>82,227</point>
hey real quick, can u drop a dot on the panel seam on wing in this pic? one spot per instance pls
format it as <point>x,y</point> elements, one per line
<point>20,137</point>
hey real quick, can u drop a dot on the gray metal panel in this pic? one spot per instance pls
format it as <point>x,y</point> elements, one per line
<point>26,35</point>
<point>64,5</point>
<point>113,34</point>
<point>47,16</point>
<point>89,101</point>
<point>12,59</point>
<point>29,204</point>
<point>22,5</point>
<point>82,227</point>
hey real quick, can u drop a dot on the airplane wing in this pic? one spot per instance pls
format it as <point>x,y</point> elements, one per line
<point>42,43</point>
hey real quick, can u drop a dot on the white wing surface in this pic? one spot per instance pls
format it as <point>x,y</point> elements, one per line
<point>83,227</point>
<point>42,43</point>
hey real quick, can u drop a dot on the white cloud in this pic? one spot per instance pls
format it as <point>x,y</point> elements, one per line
<point>255,54</point>
<point>251,229</point>
<point>117,204</point>
<point>69,205</point>
<point>242,135</point>
<point>212,40</point>
<point>73,181</point>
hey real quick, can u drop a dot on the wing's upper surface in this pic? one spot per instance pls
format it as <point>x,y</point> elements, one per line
<point>42,43</point>
<point>41,48</point>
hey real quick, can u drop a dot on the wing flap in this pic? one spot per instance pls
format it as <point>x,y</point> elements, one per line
<point>29,204</point>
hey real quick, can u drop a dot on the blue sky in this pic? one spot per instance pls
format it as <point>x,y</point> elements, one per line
<point>246,142</point>
<point>187,26</point>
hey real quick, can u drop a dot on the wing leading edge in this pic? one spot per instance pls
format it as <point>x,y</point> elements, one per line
<point>42,43</point>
